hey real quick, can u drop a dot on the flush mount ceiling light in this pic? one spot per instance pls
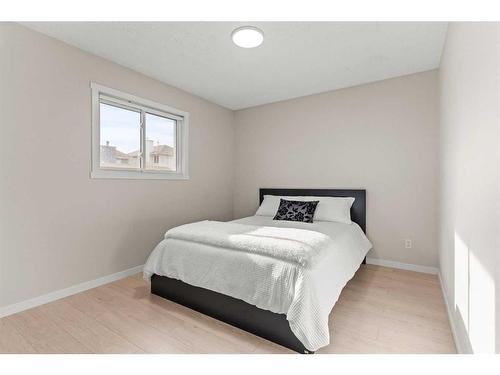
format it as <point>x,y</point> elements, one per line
<point>247,37</point>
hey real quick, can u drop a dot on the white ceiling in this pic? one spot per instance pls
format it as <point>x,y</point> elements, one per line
<point>296,58</point>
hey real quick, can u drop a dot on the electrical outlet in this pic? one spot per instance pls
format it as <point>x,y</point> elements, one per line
<point>408,244</point>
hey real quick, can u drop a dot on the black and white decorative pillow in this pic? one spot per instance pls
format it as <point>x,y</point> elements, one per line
<point>296,211</point>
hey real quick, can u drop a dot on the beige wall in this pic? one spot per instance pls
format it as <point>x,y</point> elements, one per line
<point>380,136</point>
<point>469,80</point>
<point>58,226</point>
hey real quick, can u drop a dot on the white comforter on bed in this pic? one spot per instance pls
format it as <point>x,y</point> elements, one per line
<point>306,292</point>
<point>301,246</point>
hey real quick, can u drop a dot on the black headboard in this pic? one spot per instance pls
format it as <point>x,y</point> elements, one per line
<point>358,209</point>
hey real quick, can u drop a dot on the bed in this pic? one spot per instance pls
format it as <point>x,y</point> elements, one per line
<point>272,298</point>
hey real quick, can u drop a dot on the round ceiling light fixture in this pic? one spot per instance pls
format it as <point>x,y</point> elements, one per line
<point>247,37</point>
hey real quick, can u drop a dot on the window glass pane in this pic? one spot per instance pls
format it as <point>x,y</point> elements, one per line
<point>120,137</point>
<point>160,143</point>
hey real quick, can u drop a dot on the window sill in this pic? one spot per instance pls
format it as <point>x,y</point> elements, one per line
<point>137,175</point>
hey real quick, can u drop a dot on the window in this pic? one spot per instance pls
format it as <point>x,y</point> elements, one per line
<point>136,138</point>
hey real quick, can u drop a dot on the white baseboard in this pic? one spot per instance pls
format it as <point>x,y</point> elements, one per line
<point>58,294</point>
<point>459,344</point>
<point>403,266</point>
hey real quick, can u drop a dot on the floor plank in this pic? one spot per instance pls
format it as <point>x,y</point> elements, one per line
<point>11,341</point>
<point>94,335</point>
<point>44,335</point>
<point>382,310</point>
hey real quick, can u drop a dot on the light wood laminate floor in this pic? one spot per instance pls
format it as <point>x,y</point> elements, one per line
<point>381,310</point>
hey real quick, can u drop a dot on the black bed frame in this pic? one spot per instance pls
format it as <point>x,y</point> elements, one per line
<point>263,323</point>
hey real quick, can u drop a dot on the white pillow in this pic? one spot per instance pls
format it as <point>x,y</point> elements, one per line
<point>269,206</point>
<point>328,209</point>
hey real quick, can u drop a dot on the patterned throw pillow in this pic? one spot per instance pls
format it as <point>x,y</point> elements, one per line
<point>296,211</point>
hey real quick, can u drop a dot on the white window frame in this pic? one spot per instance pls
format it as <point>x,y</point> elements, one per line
<point>119,98</point>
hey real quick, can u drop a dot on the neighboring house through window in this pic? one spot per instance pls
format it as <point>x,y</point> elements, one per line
<point>136,138</point>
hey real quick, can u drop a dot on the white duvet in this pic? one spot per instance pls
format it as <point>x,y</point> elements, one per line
<point>306,292</point>
<point>301,246</point>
